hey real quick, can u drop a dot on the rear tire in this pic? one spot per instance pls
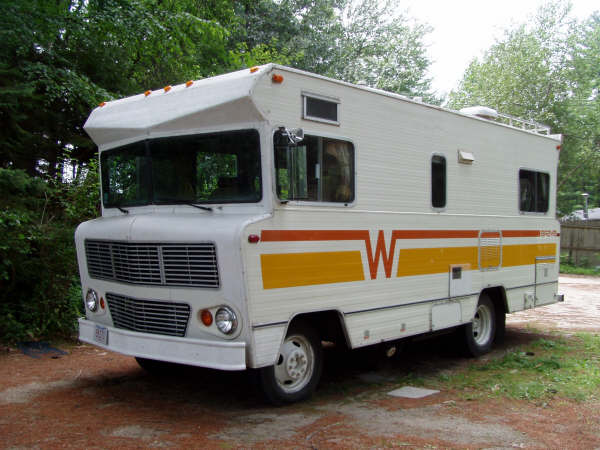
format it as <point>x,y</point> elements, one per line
<point>480,333</point>
<point>296,373</point>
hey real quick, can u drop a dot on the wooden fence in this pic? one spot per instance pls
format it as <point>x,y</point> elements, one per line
<point>580,240</point>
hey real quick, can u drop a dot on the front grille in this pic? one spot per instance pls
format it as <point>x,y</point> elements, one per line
<point>161,264</point>
<point>148,316</point>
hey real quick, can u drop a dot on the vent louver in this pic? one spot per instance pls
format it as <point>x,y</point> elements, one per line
<point>155,264</point>
<point>148,316</point>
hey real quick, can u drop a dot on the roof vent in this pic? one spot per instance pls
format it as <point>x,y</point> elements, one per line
<point>481,111</point>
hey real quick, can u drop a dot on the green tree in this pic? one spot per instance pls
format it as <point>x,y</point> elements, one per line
<point>59,59</point>
<point>547,71</point>
<point>355,41</point>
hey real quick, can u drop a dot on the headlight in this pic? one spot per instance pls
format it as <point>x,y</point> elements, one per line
<point>226,320</point>
<point>91,300</point>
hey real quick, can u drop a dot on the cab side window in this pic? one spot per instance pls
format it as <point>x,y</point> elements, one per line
<point>316,169</point>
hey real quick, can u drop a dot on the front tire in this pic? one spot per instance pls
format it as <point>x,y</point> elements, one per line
<point>155,367</point>
<point>297,371</point>
<point>480,333</point>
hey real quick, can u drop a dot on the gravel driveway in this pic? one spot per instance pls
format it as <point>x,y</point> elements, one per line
<point>89,398</point>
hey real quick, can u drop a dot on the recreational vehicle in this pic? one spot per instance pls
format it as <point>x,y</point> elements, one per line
<point>249,217</point>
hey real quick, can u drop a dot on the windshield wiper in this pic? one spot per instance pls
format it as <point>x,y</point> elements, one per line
<point>119,207</point>
<point>205,208</point>
<point>185,202</point>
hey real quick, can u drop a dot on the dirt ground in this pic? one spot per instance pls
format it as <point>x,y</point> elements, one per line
<point>89,398</point>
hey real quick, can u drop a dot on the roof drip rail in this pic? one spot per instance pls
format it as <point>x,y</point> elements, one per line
<point>524,124</point>
<point>491,114</point>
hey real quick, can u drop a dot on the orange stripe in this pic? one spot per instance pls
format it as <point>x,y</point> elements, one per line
<point>313,235</point>
<point>351,235</point>
<point>520,233</point>
<point>490,234</point>
<point>434,234</point>
<point>356,235</point>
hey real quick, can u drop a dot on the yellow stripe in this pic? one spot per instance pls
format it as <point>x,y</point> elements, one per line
<point>305,269</point>
<point>424,261</point>
<point>520,255</point>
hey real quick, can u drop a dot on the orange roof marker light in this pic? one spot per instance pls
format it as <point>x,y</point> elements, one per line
<point>253,69</point>
<point>167,88</point>
<point>188,83</point>
<point>147,93</point>
<point>101,104</point>
<point>276,78</point>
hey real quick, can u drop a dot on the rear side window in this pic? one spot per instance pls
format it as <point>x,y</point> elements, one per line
<point>534,191</point>
<point>438,181</point>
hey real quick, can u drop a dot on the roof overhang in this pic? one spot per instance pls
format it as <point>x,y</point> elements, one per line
<point>210,103</point>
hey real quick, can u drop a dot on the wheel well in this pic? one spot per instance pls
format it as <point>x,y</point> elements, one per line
<point>498,297</point>
<point>328,324</point>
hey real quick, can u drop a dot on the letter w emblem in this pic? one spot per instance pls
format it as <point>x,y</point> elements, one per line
<point>381,252</point>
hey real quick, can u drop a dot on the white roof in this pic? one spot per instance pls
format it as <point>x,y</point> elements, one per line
<point>593,214</point>
<point>204,104</point>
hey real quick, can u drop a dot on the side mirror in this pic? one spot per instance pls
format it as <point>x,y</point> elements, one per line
<point>296,135</point>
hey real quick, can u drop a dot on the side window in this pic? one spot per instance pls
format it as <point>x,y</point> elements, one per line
<point>316,169</point>
<point>438,181</point>
<point>320,109</point>
<point>534,191</point>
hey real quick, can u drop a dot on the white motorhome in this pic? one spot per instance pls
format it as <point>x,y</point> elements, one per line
<point>248,217</point>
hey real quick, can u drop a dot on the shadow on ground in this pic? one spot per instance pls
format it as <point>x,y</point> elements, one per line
<point>345,373</point>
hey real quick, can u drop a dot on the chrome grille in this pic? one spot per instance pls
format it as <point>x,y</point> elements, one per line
<point>148,316</point>
<point>161,264</point>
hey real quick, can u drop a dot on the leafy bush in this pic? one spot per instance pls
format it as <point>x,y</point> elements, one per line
<point>40,295</point>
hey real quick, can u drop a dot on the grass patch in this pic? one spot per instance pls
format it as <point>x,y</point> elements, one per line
<point>551,367</point>
<point>571,269</point>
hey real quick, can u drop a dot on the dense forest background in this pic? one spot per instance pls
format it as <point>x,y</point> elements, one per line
<point>60,58</point>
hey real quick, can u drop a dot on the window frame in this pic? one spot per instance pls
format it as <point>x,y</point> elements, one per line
<point>305,116</point>
<point>536,171</point>
<point>297,202</point>
<point>438,208</point>
<point>146,141</point>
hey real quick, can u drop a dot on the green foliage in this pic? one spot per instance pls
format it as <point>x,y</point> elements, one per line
<point>546,70</point>
<point>61,58</point>
<point>39,289</point>
<point>544,369</point>
<point>583,267</point>
<point>367,41</point>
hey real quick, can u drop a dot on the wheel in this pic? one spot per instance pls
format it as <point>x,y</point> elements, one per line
<point>156,367</point>
<point>479,334</point>
<point>297,371</point>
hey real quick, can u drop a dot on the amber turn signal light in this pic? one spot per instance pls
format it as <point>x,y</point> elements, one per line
<point>206,317</point>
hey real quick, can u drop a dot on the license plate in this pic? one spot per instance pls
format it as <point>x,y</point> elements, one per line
<point>101,335</point>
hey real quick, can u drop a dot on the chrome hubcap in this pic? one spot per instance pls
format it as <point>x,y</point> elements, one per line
<point>482,325</point>
<point>294,366</point>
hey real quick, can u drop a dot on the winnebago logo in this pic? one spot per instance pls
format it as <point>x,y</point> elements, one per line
<point>299,268</point>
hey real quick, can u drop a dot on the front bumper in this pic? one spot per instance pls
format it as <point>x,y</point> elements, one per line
<point>195,352</point>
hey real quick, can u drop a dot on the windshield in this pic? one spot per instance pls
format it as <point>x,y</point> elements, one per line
<point>208,168</point>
